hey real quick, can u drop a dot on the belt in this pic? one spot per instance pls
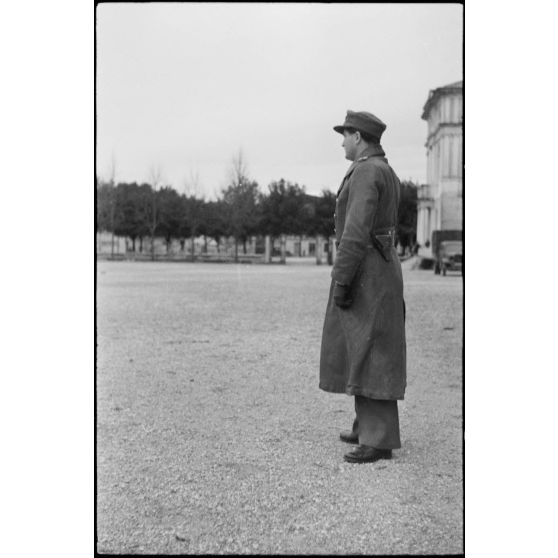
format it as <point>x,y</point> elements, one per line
<point>381,239</point>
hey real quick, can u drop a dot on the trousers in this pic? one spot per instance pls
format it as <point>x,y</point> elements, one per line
<point>377,423</point>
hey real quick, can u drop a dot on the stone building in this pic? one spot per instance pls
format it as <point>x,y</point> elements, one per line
<point>440,200</point>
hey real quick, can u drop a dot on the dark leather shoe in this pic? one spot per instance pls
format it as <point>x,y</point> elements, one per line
<point>349,437</point>
<point>367,454</point>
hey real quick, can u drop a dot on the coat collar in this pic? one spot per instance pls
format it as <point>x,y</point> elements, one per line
<point>370,151</point>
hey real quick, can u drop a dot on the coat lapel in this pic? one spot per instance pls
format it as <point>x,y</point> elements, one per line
<point>347,174</point>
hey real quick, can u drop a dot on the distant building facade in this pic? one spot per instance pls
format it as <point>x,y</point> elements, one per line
<point>440,200</point>
<point>108,245</point>
<point>304,246</point>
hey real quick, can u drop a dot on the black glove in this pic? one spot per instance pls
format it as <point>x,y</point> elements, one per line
<point>342,295</point>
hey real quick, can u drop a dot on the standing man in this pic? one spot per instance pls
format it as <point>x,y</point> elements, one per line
<point>363,342</point>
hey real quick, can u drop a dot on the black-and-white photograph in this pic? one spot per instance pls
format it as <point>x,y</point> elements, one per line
<point>279,277</point>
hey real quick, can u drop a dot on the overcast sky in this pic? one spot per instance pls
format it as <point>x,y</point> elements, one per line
<point>185,86</point>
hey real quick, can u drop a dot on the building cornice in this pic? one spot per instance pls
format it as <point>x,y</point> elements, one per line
<point>436,94</point>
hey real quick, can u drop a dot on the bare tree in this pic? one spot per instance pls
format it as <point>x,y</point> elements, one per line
<point>112,178</point>
<point>194,209</point>
<point>241,197</point>
<point>155,178</point>
<point>239,169</point>
<point>192,185</point>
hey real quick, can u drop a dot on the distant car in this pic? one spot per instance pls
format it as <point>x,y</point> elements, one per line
<point>450,256</point>
<point>438,237</point>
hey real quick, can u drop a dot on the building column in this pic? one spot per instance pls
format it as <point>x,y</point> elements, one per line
<point>420,219</point>
<point>283,249</point>
<point>428,232</point>
<point>267,254</point>
<point>318,250</point>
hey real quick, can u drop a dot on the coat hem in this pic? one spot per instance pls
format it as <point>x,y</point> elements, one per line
<point>352,390</point>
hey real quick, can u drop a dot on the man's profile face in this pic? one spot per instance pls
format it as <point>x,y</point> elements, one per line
<point>349,144</point>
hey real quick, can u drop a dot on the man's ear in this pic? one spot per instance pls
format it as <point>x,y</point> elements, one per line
<point>357,138</point>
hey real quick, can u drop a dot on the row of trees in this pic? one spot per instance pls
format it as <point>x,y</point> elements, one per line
<point>149,210</point>
<point>138,211</point>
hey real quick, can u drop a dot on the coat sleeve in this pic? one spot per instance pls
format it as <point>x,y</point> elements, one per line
<point>361,210</point>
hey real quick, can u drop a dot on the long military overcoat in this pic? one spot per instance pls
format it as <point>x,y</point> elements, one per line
<point>363,347</point>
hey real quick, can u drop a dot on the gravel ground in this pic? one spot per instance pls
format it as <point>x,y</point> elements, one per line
<point>212,434</point>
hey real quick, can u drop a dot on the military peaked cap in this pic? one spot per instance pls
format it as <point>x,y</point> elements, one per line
<point>363,122</point>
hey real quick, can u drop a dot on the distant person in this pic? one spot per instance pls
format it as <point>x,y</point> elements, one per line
<point>363,349</point>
